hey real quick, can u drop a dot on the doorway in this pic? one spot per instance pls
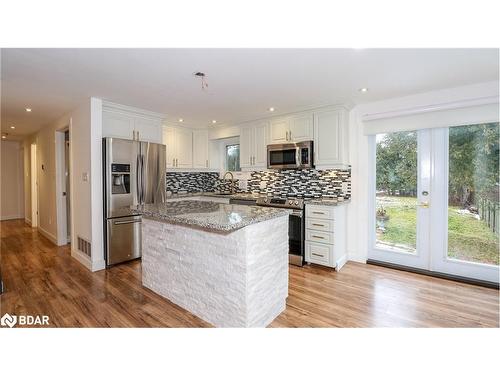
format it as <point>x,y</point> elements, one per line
<point>63,186</point>
<point>435,200</point>
<point>34,187</point>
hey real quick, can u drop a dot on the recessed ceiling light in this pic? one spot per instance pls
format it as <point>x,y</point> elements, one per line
<point>181,120</point>
<point>4,136</point>
<point>12,127</point>
<point>271,109</point>
<point>28,109</point>
<point>214,121</point>
<point>364,89</point>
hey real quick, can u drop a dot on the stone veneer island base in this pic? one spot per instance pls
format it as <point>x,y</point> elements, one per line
<point>229,279</point>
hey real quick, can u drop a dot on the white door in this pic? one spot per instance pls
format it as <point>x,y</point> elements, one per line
<point>200,149</point>
<point>279,130</point>
<point>260,145</point>
<point>436,200</point>
<point>301,128</point>
<point>184,148</point>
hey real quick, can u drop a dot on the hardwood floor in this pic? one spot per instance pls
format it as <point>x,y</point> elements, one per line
<point>41,278</point>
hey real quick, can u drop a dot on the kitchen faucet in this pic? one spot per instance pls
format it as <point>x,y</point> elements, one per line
<point>232,180</point>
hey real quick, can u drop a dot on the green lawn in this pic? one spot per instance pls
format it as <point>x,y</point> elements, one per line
<point>468,238</point>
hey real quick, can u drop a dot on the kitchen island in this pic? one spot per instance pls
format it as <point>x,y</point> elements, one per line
<point>227,264</point>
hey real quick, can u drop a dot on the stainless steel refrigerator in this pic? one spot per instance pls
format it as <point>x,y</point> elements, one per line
<point>133,174</point>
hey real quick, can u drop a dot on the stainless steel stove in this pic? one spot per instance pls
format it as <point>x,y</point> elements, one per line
<point>295,225</point>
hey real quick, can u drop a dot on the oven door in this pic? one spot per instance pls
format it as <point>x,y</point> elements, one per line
<point>283,156</point>
<point>296,238</point>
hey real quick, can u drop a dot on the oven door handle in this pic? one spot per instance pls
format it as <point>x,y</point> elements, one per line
<point>297,157</point>
<point>294,213</point>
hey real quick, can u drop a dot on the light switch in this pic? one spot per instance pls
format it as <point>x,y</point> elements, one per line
<point>242,184</point>
<point>85,176</point>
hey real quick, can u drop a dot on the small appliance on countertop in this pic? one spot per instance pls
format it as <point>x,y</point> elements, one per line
<point>295,225</point>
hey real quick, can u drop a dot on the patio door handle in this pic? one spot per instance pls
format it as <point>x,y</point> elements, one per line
<point>424,204</point>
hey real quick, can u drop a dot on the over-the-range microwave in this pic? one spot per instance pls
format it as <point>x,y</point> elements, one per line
<point>290,155</point>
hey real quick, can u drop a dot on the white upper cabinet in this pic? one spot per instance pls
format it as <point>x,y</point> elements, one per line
<point>279,130</point>
<point>331,138</point>
<point>260,144</point>
<point>148,130</point>
<point>246,146</point>
<point>253,145</point>
<point>117,125</point>
<point>200,149</point>
<point>292,129</point>
<point>130,123</point>
<point>179,144</point>
<point>301,128</point>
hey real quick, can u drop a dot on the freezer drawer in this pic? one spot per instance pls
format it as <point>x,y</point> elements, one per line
<point>124,239</point>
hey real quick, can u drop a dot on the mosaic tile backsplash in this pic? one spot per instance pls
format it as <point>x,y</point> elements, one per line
<point>191,182</point>
<point>306,183</point>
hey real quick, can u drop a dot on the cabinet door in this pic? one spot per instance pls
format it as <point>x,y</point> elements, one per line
<point>246,146</point>
<point>170,140</point>
<point>279,130</point>
<point>301,128</point>
<point>117,125</point>
<point>184,148</point>
<point>260,144</point>
<point>148,130</point>
<point>200,149</point>
<point>329,138</point>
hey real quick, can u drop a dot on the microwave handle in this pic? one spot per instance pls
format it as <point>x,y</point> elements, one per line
<point>297,157</point>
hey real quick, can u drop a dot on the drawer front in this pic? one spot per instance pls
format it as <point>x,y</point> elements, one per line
<point>319,224</point>
<point>319,212</point>
<point>317,236</point>
<point>318,253</point>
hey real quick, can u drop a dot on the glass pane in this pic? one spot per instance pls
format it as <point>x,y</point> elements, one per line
<point>396,192</point>
<point>473,205</point>
<point>233,157</point>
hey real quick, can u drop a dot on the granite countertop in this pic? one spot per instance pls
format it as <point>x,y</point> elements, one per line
<point>218,217</point>
<point>326,201</point>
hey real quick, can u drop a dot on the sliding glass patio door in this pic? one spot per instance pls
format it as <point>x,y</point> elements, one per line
<point>435,201</point>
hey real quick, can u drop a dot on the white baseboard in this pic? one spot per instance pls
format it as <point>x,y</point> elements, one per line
<point>48,235</point>
<point>355,257</point>
<point>11,217</point>
<point>82,258</point>
<point>98,265</point>
<point>340,263</point>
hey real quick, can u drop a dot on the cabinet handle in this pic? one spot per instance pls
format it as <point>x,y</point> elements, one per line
<point>318,255</point>
<point>253,160</point>
<point>206,163</point>
<point>287,135</point>
<point>318,237</point>
<point>290,135</point>
<point>318,225</point>
<point>176,162</point>
<point>318,212</point>
<point>138,136</point>
<point>173,162</point>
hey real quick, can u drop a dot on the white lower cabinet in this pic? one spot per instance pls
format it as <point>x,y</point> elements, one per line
<point>325,235</point>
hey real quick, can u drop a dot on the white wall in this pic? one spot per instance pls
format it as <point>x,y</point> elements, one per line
<point>85,124</point>
<point>359,214</point>
<point>12,182</point>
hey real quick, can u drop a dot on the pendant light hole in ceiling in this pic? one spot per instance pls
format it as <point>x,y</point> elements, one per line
<point>203,78</point>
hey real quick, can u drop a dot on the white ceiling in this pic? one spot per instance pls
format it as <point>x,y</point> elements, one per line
<point>243,83</point>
